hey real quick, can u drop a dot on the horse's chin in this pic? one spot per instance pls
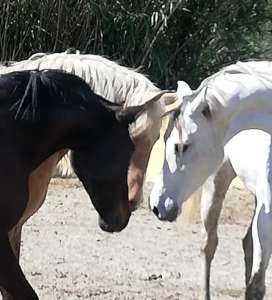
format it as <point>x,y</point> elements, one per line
<point>115,225</point>
<point>134,204</point>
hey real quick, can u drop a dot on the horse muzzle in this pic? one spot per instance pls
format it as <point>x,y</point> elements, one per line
<point>167,211</point>
<point>113,223</point>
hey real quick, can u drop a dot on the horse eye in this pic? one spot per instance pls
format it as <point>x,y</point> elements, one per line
<point>177,148</point>
<point>185,147</point>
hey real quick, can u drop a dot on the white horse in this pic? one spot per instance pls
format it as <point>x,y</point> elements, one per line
<point>247,155</point>
<point>228,102</point>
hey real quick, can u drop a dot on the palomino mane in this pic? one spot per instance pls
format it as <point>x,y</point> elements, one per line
<point>106,78</point>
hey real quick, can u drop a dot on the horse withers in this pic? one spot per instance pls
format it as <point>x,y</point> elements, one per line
<point>43,112</point>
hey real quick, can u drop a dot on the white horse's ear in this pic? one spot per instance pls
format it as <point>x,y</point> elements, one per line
<point>184,91</point>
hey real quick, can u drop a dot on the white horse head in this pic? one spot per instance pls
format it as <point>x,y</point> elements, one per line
<point>224,104</point>
<point>192,152</point>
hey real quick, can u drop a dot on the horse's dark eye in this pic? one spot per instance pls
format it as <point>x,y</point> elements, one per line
<point>185,147</point>
<point>177,148</point>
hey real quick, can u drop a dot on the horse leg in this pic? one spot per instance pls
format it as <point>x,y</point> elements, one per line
<point>38,185</point>
<point>14,198</point>
<point>262,249</point>
<point>248,252</point>
<point>11,275</point>
<point>213,194</point>
<point>15,239</point>
<point>15,242</point>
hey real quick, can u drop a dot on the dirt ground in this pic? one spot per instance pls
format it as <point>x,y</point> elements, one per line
<point>66,256</point>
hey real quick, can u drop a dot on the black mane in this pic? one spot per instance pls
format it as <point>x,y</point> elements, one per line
<point>23,92</point>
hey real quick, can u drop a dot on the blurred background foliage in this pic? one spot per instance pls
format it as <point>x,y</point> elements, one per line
<point>169,40</point>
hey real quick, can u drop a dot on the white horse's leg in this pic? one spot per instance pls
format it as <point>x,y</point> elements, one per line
<point>262,249</point>
<point>248,249</point>
<point>248,253</point>
<point>213,194</point>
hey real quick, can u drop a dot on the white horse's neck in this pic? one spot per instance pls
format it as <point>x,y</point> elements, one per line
<point>261,121</point>
<point>239,95</point>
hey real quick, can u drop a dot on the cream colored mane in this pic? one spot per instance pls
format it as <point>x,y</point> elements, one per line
<point>106,78</point>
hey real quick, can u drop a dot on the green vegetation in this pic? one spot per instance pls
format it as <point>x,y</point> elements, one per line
<point>171,40</point>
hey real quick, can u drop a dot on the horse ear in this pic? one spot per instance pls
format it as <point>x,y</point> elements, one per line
<point>115,107</point>
<point>184,91</point>
<point>129,114</point>
<point>154,96</point>
<point>173,103</point>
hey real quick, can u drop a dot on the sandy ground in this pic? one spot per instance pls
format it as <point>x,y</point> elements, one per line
<point>66,256</point>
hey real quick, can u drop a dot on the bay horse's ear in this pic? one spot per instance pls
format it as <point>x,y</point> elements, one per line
<point>115,107</point>
<point>129,114</point>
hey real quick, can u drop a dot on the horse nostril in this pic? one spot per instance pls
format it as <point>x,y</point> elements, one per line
<point>155,211</point>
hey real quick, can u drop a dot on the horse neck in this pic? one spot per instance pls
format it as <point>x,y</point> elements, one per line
<point>260,121</point>
<point>246,95</point>
<point>72,130</point>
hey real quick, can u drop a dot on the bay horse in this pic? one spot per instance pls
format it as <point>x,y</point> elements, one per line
<point>119,85</point>
<point>43,112</point>
<point>236,98</point>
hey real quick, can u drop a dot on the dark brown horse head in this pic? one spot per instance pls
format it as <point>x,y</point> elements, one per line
<point>103,170</point>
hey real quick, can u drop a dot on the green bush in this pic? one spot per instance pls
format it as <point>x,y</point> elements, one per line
<point>170,40</point>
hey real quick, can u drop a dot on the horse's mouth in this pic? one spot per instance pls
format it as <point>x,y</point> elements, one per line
<point>116,226</point>
<point>134,205</point>
<point>163,214</point>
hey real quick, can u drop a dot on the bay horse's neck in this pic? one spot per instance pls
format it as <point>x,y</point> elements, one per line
<point>43,112</point>
<point>62,129</point>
